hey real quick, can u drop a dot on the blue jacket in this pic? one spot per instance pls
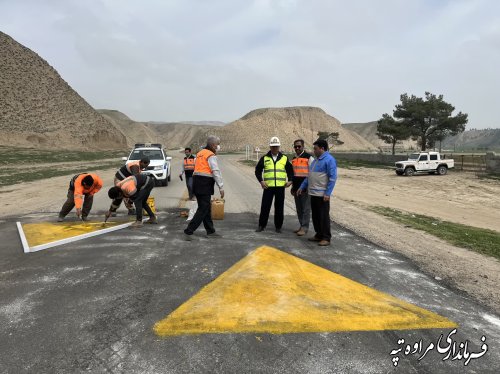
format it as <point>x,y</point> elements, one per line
<point>322,176</point>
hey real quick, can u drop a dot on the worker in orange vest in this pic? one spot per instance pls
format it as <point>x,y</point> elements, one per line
<point>188,169</point>
<point>82,188</point>
<point>301,162</point>
<point>137,188</point>
<point>131,168</point>
<point>206,175</point>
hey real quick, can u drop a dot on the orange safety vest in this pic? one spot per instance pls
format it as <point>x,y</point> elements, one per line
<point>126,170</point>
<point>128,186</point>
<point>201,166</point>
<point>80,191</point>
<point>132,164</point>
<point>189,163</point>
<point>300,166</point>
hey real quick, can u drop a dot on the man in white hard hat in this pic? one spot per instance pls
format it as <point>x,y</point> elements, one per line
<point>272,172</point>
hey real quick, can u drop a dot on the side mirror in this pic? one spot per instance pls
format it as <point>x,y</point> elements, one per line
<point>124,158</point>
<point>168,158</point>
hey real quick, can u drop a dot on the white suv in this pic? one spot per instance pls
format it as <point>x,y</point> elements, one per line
<point>159,166</point>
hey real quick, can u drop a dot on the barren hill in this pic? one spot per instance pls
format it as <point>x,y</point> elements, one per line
<point>289,124</point>
<point>170,134</point>
<point>39,109</point>
<point>488,139</point>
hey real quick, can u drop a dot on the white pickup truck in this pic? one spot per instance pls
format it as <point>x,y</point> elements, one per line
<point>424,162</point>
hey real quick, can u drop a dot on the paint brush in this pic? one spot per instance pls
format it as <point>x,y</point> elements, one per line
<point>106,216</point>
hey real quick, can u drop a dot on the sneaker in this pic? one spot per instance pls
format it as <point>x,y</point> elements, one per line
<point>301,232</point>
<point>259,229</point>
<point>214,235</point>
<point>152,220</point>
<point>314,239</point>
<point>187,237</point>
<point>60,219</point>
<point>296,231</point>
<point>136,224</point>
<point>324,243</point>
<point>278,231</point>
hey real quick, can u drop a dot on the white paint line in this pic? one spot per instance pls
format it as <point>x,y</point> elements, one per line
<point>26,247</point>
<point>75,238</point>
<point>492,319</point>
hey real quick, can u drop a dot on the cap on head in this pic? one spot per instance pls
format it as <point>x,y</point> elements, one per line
<point>274,142</point>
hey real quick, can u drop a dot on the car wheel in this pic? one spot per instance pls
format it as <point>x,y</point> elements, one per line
<point>399,172</point>
<point>409,172</point>
<point>442,170</point>
<point>164,182</point>
<point>169,178</point>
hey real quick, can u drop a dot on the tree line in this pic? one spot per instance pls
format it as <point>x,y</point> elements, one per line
<point>427,120</point>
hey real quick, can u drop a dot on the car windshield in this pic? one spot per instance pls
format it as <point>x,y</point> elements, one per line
<point>414,156</point>
<point>152,154</point>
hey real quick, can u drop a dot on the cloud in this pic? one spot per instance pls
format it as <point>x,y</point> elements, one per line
<point>197,60</point>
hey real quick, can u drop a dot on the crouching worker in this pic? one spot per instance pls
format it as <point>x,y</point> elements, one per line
<point>131,168</point>
<point>82,188</point>
<point>136,188</point>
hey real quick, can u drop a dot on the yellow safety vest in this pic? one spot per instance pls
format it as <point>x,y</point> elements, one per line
<point>275,174</point>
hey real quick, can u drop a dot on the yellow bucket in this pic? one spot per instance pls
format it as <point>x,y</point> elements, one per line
<point>151,203</point>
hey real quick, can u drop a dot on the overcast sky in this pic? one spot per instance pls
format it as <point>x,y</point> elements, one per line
<point>217,60</point>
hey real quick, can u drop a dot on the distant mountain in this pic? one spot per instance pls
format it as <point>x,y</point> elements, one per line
<point>197,123</point>
<point>488,139</point>
<point>39,109</point>
<point>170,134</point>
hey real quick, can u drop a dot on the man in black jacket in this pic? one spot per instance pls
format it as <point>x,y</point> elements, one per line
<point>272,172</point>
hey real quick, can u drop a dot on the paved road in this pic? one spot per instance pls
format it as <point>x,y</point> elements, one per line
<point>91,306</point>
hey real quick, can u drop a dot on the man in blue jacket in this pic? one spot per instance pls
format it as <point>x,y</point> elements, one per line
<point>320,184</point>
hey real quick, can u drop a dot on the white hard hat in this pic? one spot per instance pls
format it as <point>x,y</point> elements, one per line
<point>274,142</point>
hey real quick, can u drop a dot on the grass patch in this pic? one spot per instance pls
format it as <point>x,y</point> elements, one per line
<point>352,164</point>
<point>492,176</point>
<point>19,176</point>
<point>248,162</point>
<point>15,156</point>
<point>480,240</point>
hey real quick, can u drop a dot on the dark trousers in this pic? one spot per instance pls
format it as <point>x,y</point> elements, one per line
<point>69,204</point>
<point>303,206</point>
<point>189,185</point>
<point>321,217</point>
<point>141,201</point>
<point>203,214</point>
<point>278,193</point>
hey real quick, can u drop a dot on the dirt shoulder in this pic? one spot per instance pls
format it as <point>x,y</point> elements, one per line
<point>41,196</point>
<point>457,197</point>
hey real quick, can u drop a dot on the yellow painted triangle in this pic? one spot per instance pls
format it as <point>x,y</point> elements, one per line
<point>47,232</point>
<point>270,291</point>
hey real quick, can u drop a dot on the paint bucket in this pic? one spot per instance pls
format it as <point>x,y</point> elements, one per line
<point>217,209</point>
<point>151,203</point>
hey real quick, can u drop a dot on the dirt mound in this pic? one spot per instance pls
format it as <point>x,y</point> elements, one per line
<point>39,109</point>
<point>289,124</point>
